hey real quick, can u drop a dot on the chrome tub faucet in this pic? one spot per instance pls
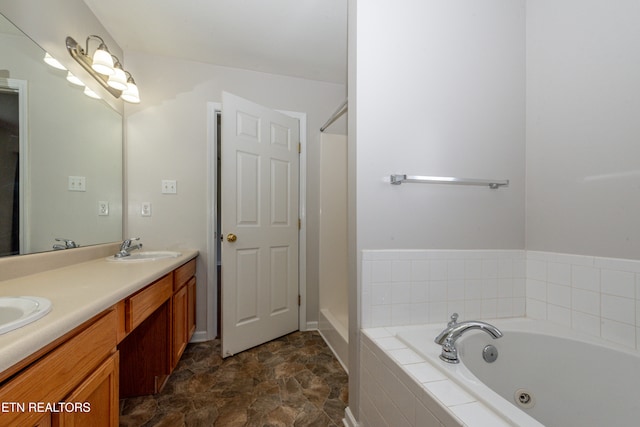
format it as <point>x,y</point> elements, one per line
<point>126,247</point>
<point>454,330</point>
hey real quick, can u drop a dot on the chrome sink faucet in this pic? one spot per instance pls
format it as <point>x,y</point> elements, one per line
<point>454,330</point>
<point>126,247</point>
<point>66,244</point>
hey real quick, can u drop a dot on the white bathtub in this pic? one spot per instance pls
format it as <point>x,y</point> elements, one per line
<point>335,331</point>
<point>575,380</point>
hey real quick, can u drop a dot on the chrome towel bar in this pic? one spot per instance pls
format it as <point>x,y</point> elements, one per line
<point>491,183</point>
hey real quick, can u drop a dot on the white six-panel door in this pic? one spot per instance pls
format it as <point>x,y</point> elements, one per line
<point>259,214</point>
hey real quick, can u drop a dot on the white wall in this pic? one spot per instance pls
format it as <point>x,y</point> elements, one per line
<point>583,132</point>
<point>435,88</point>
<point>440,91</point>
<point>166,139</point>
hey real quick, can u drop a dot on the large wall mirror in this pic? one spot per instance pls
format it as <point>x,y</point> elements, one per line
<point>60,155</point>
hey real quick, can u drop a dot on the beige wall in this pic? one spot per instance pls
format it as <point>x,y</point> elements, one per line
<point>167,139</point>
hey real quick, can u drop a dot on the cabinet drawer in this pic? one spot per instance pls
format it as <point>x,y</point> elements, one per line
<point>145,302</point>
<point>182,274</point>
<point>51,378</point>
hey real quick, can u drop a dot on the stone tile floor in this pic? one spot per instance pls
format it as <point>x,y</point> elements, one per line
<point>294,380</point>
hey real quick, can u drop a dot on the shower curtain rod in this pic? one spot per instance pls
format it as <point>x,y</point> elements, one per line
<point>340,111</point>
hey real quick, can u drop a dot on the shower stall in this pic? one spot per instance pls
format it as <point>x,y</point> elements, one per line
<point>333,297</point>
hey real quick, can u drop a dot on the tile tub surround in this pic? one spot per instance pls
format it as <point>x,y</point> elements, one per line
<point>594,295</point>
<point>399,388</point>
<point>409,287</point>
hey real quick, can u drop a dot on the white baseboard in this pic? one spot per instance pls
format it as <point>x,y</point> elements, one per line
<point>310,326</point>
<point>199,336</point>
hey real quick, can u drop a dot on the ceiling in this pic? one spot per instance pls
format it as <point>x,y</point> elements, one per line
<point>298,38</point>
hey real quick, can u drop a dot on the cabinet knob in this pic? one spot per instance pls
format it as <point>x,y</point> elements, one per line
<point>231,237</point>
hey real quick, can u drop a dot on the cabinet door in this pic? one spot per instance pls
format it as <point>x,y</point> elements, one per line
<point>45,421</point>
<point>191,307</point>
<point>180,324</point>
<point>95,399</point>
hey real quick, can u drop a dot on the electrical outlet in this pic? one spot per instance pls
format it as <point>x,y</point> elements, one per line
<point>77,183</point>
<point>146,209</point>
<point>169,186</point>
<point>103,208</point>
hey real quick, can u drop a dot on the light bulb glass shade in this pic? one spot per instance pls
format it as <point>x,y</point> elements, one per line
<point>102,61</point>
<point>131,93</point>
<point>73,79</point>
<point>90,93</point>
<point>53,62</point>
<point>118,80</point>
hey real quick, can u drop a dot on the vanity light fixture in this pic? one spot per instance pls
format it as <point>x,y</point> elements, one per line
<point>131,93</point>
<point>102,61</point>
<point>118,80</point>
<point>105,68</point>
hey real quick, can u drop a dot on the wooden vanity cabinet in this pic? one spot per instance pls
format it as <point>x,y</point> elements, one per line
<point>183,309</point>
<point>127,350</point>
<point>74,369</point>
<point>159,320</point>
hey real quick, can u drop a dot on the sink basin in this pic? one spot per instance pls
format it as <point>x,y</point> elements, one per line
<point>16,312</point>
<point>145,256</point>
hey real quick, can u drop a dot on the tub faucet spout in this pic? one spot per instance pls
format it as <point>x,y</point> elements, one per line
<point>447,338</point>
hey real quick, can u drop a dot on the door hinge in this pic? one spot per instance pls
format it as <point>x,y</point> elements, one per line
<point>299,300</point>
<point>299,224</point>
<point>299,147</point>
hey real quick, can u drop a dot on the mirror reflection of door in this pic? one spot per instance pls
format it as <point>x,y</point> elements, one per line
<point>9,171</point>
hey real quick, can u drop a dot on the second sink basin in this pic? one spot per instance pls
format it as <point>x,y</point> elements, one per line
<point>19,311</point>
<point>145,256</point>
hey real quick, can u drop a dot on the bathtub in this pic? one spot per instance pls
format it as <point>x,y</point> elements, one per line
<point>335,332</point>
<point>560,377</point>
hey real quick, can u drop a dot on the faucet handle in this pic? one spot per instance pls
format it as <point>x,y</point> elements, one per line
<point>68,243</point>
<point>453,321</point>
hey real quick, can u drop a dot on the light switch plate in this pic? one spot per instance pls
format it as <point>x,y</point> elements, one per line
<point>169,186</point>
<point>77,183</point>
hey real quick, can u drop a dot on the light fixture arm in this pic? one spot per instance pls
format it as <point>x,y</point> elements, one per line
<point>100,46</point>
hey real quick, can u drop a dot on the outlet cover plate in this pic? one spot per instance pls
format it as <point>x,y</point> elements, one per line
<point>103,208</point>
<point>145,209</point>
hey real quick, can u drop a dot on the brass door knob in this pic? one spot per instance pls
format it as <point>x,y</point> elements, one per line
<point>231,237</point>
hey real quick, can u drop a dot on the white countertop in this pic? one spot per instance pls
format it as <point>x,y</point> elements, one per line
<point>77,293</point>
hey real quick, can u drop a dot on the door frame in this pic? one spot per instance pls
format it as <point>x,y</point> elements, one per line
<point>212,215</point>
